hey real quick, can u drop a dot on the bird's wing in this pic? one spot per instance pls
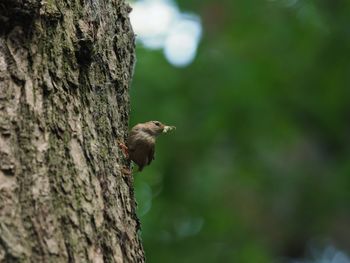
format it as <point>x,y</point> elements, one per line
<point>151,154</point>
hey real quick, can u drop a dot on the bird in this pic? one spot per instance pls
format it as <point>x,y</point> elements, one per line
<point>140,147</point>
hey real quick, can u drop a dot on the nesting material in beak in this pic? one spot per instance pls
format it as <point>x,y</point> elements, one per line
<point>168,129</point>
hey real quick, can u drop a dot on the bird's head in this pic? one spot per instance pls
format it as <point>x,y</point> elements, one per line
<point>155,128</point>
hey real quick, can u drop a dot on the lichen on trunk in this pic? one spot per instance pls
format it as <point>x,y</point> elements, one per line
<point>65,72</point>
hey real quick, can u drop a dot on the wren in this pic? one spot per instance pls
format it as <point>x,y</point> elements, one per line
<point>141,142</point>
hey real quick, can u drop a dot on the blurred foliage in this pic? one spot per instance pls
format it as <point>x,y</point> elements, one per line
<point>258,168</point>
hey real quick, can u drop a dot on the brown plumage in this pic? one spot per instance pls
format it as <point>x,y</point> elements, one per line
<point>141,142</point>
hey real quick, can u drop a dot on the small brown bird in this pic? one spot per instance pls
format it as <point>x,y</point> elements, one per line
<point>141,142</point>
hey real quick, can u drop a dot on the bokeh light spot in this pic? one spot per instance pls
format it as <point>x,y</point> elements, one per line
<point>159,24</point>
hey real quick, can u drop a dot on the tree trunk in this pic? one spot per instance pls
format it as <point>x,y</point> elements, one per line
<point>65,69</point>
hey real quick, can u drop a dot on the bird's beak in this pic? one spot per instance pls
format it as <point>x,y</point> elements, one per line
<point>168,128</point>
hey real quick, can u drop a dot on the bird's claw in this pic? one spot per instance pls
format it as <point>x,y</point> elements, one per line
<point>124,149</point>
<point>126,171</point>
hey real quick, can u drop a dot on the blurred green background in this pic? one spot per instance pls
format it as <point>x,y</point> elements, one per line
<point>258,169</point>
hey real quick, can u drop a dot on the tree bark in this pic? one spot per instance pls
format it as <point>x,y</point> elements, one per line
<point>65,69</point>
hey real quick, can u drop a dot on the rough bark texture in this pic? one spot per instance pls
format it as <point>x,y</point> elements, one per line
<point>65,69</point>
